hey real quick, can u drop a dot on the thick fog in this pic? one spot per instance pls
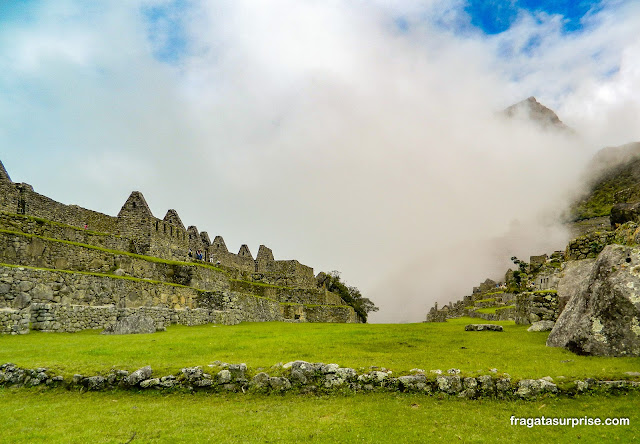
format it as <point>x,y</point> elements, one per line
<point>360,138</point>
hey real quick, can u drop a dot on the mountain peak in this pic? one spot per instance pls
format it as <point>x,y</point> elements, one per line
<point>531,109</point>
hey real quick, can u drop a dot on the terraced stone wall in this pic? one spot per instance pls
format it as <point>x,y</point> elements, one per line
<point>34,251</point>
<point>20,287</point>
<point>71,318</point>
<point>536,306</point>
<point>44,228</point>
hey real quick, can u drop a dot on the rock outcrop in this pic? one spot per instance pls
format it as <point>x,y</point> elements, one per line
<point>531,109</point>
<point>625,212</point>
<point>603,319</point>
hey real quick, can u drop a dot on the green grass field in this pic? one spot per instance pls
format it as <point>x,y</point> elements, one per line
<point>399,347</point>
<point>59,415</point>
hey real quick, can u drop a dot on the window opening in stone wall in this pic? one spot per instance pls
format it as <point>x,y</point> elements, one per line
<point>134,204</point>
<point>157,224</point>
<point>164,228</point>
<point>171,231</point>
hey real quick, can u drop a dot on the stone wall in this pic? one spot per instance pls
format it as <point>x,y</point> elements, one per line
<point>66,257</point>
<point>20,198</point>
<point>68,301</point>
<point>168,241</point>
<point>536,306</point>
<point>15,322</point>
<point>21,249</point>
<point>49,229</point>
<point>20,287</point>
<point>501,314</point>
<point>71,318</point>
<point>330,313</point>
<point>319,378</point>
<point>256,309</point>
<point>589,245</point>
<point>290,273</point>
<point>136,230</point>
<point>18,249</point>
<point>317,296</point>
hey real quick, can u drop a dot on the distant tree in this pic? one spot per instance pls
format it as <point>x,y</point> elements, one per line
<point>521,264</point>
<point>350,295</point>
<point>519,276</point>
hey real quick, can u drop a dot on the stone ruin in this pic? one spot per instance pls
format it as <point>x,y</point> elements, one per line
<point>588,295</point>
<point>67,268</point>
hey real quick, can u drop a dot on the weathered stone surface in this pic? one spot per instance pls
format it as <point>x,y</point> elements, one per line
<point>531,388</point>
<point>625,212</point>
<point>449,384</point>
<point>604,318</point>
<point>573,280</point>
<point>302,371</point>
<point>483,327</point>
<point>237,371</point>
<point>541,326</point>
<point>224,376</point>
<point>260,380</point>
<point>95,382</point>
<point>413,383</point>
<point>279,383</point>
<point>131,325</point>
<point>147,383</point>
<point>454,385</point>
<point>192,373</point>
<point>139,375</point>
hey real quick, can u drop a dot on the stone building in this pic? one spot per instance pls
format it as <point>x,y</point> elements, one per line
<point>64,268</point>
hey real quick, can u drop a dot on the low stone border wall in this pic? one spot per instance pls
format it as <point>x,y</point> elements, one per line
<point>306,377</point>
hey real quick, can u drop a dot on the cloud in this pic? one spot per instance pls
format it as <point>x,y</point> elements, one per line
<point>320,129</point>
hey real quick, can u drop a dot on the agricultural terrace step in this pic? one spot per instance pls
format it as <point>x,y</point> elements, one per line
<point>42,252</point>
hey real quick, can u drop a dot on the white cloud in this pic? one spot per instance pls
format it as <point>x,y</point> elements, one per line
<point>319,129</point>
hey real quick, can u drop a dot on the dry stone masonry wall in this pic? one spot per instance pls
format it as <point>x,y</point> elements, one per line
<point>307,377</point>
<point>65,268</point>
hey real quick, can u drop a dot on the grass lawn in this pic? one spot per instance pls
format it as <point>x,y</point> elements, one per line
<point>53,416</point>
<point>399,347</point>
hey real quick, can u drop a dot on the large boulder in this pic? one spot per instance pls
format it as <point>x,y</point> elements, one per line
<point>573,280</point>
<point>625,212</point>
<point>133,324</point>
<point>603,318</point>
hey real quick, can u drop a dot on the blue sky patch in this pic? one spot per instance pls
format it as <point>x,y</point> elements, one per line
<point>17,11</point>
<point>496,16</point>
<point>166,30</point>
